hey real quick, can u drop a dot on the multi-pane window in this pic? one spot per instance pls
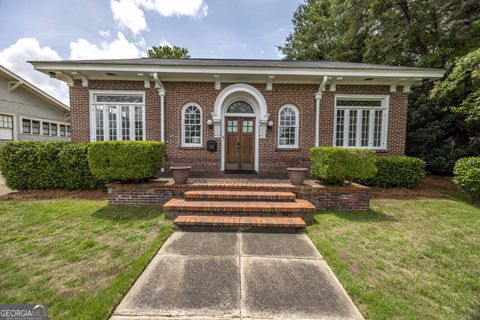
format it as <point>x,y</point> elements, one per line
<point>45,128</point>
<point>117,116</point>
<point>35,127</point>
<point>360,122</point>
<point>6,127</point>
<point>192,125</point>
<point>288,119</point>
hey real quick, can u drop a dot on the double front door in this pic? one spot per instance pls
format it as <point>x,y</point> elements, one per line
<point>239,143</point>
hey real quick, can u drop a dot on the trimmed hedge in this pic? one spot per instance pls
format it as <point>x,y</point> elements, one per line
<point>467,176</point>
<point>334,165</point>
<point>46,165</point>
<point>126,160</point>
<point>396,172</point>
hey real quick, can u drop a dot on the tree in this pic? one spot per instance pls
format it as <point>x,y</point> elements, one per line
<point>421,33</point>
<point>168,52</point>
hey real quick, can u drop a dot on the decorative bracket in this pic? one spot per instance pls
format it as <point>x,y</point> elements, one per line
<point>218,84</point>
<point>12,85</point>
<point>270,83</point>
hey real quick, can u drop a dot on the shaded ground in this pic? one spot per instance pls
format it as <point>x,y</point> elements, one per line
<point>79,257</point>
<point>232,275</point>
<point>414,258</point>
<point>431,187</point>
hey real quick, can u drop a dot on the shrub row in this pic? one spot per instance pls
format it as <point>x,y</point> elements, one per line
<point>334,165</point>
<point>467,176</point>
<point>396,172</point>
<point>126,160</point>
<point>46,165</point>
<point>69,165</point>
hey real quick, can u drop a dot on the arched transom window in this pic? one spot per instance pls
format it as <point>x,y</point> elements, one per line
<point>192,125</point>
<point>288,119</point>
<point>240,107</point>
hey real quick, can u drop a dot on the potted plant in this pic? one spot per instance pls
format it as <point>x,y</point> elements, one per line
<point>180,174</point>
<point>297,174</point>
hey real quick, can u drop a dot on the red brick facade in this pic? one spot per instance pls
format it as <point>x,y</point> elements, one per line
<point>271,159</point>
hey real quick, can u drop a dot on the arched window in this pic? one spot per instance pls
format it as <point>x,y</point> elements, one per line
<point>192,125</point>
<point>288,119</point>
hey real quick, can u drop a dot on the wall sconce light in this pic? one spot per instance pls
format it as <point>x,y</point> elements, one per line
<point>210,123</point>
<point>270,124</point>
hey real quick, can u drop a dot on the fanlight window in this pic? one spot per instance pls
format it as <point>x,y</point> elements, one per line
<point>240,107</point>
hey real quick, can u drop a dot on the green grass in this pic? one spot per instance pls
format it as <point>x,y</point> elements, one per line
<point>80,257</point>
<point>406,259</point>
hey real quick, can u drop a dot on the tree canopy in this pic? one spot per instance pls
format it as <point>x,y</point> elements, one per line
<point>420,33</point>
<point>168,52</point>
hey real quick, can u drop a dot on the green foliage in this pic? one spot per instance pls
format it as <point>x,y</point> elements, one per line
<point>397,172</point>
<point>334,165</point>
<point>168,52</point>
<point>46,165</point>
<point>464,81</point>
<point>467,176</point>
<point>412,33</point>
<point>126,160</point>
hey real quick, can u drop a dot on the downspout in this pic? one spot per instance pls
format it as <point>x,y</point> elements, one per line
<point>161,93</point>
<point>318,97</point>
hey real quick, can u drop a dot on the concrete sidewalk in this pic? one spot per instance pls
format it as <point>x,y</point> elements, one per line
<point>227,275</point>
<point>3,188</point>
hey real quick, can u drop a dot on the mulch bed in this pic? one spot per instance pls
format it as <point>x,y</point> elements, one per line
<point>100,194</point>
<point>430,187</point>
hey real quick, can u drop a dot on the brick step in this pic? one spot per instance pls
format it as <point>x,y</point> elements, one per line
<point>239,207</point>
<point>239,222</point>
<point>239,195</point>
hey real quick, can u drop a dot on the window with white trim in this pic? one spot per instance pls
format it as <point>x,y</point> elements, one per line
<point>288,119</point>
<point>6,127</point>
<point>117,116</point>
<point>192,125</point>
<point>361,121</point>
<point>45,127</point>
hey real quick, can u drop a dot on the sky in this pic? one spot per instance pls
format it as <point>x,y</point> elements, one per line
<point>105,29</point>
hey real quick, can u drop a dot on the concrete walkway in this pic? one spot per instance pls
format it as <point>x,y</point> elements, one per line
<point>3,188</point>
<point>227,275</point>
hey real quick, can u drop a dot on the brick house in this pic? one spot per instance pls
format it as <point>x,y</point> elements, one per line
<point>249,115</point>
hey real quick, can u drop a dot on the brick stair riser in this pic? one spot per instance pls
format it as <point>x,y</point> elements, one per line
<point>306,216</point>
<point>238,198</point>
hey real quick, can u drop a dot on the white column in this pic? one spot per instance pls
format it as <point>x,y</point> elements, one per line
<point>318,97</point>
<point>161,93</point>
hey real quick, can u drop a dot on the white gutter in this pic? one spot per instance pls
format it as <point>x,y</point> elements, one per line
<point>318,97</point>
<point>161,93</point>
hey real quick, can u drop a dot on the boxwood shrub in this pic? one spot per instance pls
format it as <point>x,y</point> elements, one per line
<point>126,160</point>
<point>46,165</point>
<point>467,176</point>
<point>335,165</point>
<point>396,172</point>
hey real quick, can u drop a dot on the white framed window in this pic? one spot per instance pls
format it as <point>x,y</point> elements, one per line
<point>44,127</point>
<point>6,127</point>
<point>192,125</point>
<point>288,120</point>
<point>116,115</point>
<point>361,121</point>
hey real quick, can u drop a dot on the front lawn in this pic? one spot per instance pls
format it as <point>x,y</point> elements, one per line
<point>406,258</point>
<point>79,257</point>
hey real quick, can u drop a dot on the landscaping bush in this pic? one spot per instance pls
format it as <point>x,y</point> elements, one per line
<point>396,172</point>
<point>467,176</point>
<point>46,165</point>
<point>126,160</point>
<point>334,165</point>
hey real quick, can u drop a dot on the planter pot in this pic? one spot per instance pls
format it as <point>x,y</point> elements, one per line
<point>180,174</point>
<point>297,175</point>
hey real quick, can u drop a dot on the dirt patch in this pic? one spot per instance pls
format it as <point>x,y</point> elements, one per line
<point>100,194</point>
<point>430,187</point>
